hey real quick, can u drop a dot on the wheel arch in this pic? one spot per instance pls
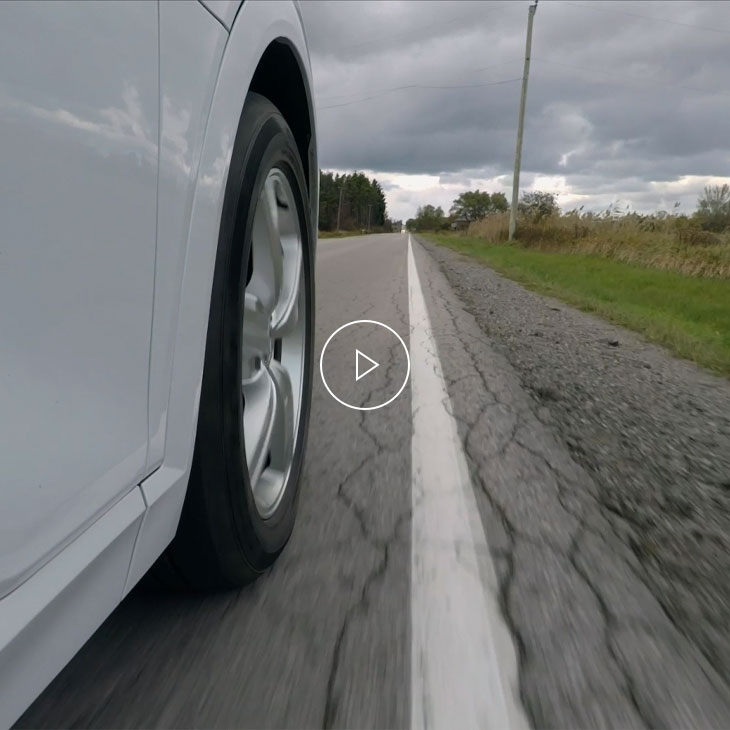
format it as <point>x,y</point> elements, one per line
<point>281,78</point>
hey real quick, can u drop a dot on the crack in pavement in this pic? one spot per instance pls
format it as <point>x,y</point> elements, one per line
<point>382,438</point>
<point>360,606</point>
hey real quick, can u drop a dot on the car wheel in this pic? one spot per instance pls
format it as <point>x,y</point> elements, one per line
<point>256,392</point>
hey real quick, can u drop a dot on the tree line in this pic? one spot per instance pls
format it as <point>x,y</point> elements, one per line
<point>712,212</point>
<point>356,200</point>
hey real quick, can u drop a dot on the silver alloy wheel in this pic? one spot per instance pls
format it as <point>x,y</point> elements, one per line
<point>272,376</point>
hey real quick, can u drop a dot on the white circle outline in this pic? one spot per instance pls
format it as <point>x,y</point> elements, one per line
<point>324,380</point>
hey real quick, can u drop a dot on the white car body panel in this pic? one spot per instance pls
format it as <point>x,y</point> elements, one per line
<point>257,25</point>
<point>127,499</point>
<point>191,48</point>
<point>78,144</point>
<point>47,620</point>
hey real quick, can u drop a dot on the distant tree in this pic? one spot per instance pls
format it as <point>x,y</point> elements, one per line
<point>499,203</point>
<point>474,205</point>
<point>713,208</point>
<point>377,200</point>
<point>538,204</point>
<point>429,218</point>
<point>471,206</point>
<point>329,196</point>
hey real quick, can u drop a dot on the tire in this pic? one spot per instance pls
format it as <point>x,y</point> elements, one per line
<point>229,533</point>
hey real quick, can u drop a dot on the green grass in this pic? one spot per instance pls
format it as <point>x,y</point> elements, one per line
<point>687,314</point>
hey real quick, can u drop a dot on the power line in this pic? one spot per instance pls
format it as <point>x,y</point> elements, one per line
<point>329,97</point>
<point>651,81</point>
<point>646,17</point>
<point>641,80</point>
<point>420,86</point>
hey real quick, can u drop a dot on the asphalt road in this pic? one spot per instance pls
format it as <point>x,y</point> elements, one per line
<point>323,639</point>
<point>449,551</point>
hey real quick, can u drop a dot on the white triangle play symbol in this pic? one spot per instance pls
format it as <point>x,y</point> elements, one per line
<point>372,367</point>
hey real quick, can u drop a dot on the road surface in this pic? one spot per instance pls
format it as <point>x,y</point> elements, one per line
<point>450,559</point>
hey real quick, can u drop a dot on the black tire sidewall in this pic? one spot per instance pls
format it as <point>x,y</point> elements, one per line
<point>263,141</point>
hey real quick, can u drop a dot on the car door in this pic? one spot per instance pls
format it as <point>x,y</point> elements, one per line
<point>79,116</point>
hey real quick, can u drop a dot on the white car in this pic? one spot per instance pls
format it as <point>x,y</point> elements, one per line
<point>158,211</point>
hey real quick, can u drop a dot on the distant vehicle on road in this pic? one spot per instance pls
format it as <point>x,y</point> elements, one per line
<point>158,218</point>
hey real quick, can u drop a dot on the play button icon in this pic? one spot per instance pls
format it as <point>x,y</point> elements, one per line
<point>373,365</point>
<point>387,364</point>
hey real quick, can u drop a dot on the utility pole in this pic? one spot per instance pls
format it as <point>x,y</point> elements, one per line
<point>370,205</point>
<point>339,208</point>
<point>520,124</point>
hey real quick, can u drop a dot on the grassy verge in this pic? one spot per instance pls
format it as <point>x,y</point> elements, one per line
<point>659,243</point>
<point>687,314</point>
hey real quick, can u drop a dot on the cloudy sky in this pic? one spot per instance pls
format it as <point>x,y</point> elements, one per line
<point>628,102</point>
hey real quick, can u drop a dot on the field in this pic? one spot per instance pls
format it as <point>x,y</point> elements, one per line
<point>668,244</point>
<point>646,292</point>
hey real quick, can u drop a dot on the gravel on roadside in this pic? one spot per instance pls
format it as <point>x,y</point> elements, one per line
<point>652,431</point>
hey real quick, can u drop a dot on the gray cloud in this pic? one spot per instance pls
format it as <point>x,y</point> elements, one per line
<point>619,106</point>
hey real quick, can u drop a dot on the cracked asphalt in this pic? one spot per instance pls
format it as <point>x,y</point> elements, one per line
<point>602,465</point>
<point>571,492</point>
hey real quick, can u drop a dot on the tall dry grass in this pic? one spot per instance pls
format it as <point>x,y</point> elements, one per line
<point>669,243</point>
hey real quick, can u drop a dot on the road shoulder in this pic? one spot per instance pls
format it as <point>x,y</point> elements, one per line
<point>596,647</point>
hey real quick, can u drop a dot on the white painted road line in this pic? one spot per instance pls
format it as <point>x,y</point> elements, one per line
<point>463,662</point>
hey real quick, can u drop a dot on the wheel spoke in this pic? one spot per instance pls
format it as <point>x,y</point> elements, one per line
<point>286,313</point>
<point>256,336</point>
<point>267,251</point>
<point>258,422</point>
<point>283,432</point>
